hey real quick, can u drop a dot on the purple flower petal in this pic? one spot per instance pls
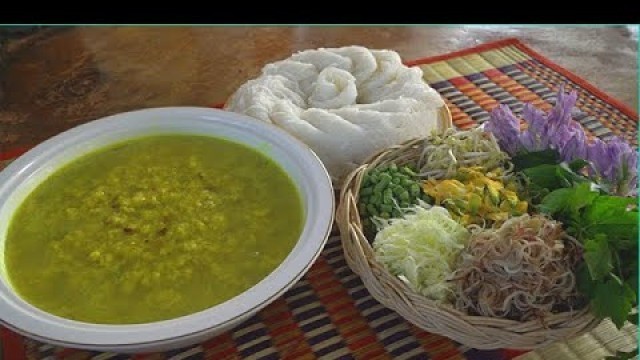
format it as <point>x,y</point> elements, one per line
<point>597,155</point>
<point>528,140</point>
<point>561,112</point>
<point>505,127</point>
<point>574,148</point>
<point>535,118</point>
<point>618,151</point>
<point>572,133</point>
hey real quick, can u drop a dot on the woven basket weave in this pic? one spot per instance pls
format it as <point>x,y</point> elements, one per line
<point>474,331</point>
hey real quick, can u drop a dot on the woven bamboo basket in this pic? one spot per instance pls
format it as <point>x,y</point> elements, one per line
<point>474,331</point>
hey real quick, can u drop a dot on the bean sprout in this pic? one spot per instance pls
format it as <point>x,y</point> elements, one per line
<point>443,154</point>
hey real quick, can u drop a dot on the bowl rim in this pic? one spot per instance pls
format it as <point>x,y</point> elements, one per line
<point>74,333</point>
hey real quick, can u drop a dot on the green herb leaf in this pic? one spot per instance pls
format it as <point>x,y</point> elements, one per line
<point>568,200</point>
<point>534,158</point>
<point>545,178</point>
<point>613,300</point>
<point>585,283</point>
<point>577,165</point>
<point>597,256</point>
<point>610,215</point>
<point>556,201</point>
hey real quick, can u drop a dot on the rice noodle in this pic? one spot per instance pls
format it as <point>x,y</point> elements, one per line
<point>521,271</point>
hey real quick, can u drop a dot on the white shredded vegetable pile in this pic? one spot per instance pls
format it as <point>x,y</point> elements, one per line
<point>421,249</point>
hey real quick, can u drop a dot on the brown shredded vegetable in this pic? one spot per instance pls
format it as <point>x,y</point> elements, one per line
<point>521,271</point>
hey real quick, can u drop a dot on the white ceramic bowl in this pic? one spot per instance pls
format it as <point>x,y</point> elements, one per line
<point>27,172</point>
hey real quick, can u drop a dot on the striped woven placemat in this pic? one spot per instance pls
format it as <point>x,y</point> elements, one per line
<point>329,314</point>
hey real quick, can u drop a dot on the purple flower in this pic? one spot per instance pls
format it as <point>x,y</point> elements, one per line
<point>632,168</point>
<point>570,141</point>
<point>536,120</point>
<point>505,127</point>
<point>561,113</point>
<point>624,162</point>
<point>597,155</point>
<point>614,162</point>
<point>528,140</point>
<point>552,130</point>
<point>575,148</point>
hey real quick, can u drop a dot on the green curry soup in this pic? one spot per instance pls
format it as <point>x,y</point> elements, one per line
<point>152,229</point>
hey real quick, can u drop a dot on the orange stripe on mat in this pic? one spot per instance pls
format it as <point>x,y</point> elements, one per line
<point>481,98</point>
<point>521,93</point>
<point>286,335</point>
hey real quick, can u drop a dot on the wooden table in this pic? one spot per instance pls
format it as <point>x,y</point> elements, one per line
<point>57,78</point>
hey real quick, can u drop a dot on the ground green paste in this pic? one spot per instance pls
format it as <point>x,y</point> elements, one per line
<point>152,229</point>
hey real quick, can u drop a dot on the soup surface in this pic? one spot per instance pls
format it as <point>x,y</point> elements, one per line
<point>152,229</point>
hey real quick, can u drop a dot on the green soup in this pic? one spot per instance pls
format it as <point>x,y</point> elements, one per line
<point>152,229</point>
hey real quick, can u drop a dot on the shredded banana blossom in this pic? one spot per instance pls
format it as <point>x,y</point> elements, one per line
<point>521,271</point>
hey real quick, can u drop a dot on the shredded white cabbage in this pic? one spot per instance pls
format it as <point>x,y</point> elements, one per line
<point>421,249</point>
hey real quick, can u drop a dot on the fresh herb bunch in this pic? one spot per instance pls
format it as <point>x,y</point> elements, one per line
<point>591,187</point>
<point>385,192</point>
<point>612,164</point>
<point>607,227</point>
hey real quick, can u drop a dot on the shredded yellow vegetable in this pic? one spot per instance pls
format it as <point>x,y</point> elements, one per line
<point>475,197</point>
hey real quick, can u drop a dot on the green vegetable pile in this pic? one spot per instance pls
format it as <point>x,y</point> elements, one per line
<point>386,192</point>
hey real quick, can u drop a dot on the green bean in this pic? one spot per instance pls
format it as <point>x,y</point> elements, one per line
<point>384,215</point>
<point>387,197</point>
<point>366,191</point>
<point>398,190</point>
<point>407,170</point>
<point>384,181</point>
<point>406,182</point>
<point>386,208</point>
<point>414,189</point>
<point>372,209</point>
